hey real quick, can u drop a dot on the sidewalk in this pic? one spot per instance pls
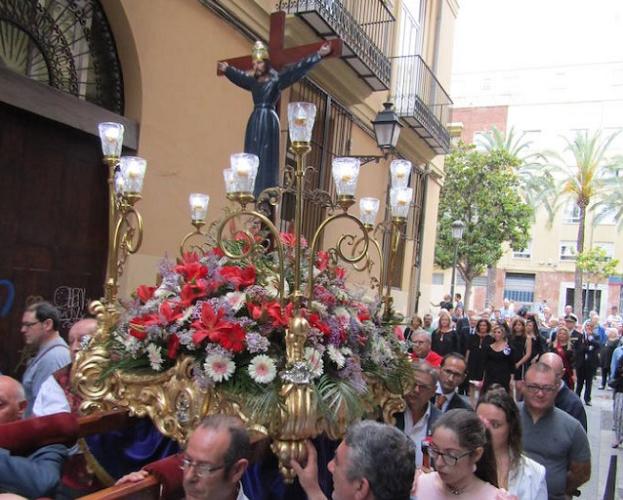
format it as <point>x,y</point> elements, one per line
<point>600,436</point>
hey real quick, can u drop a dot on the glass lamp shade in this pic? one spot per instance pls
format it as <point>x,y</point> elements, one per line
<point>387,127</point>
<point>400,201</point>
<point>345,173</point>
<point>111,137</point>
<point>230,181</point>
<point>244,167</point>
<point>301,116</point>
<point>457,229</point>
<point>198,206</point>
<point>400,171</point>
<point>368,208</point>
<point>133,172</point>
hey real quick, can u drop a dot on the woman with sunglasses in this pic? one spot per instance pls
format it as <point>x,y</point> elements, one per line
<point>517,473</point>
<point>463,458</point>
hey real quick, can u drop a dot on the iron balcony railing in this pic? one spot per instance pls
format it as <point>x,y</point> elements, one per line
<point>365,26</point>
<point>422,102</point>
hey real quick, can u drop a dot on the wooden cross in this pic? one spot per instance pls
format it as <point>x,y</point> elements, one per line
<point>280,56</point>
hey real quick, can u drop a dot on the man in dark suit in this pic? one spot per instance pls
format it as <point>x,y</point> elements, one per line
<point>566,399</point>
<point>586,361</point>
<point>451,376</point>
<point>418,419</point>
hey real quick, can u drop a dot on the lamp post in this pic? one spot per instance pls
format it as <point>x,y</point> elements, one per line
<point>457,233</point>
<point>386,132</point>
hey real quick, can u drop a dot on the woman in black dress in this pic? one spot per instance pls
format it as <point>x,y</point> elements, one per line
<point>499,361</point>
<point>477,346</point>
<point>444,338</point>
<point>522,348</point>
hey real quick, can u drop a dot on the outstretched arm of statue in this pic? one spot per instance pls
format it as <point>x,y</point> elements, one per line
<point>236,76</point>
<point>294,72</point>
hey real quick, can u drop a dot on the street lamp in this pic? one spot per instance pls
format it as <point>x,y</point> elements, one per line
<point>457,233</point>
<point>386,132</point>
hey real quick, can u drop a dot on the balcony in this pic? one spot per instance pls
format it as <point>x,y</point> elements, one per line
<point>365,27</point>
<point>422,102</point>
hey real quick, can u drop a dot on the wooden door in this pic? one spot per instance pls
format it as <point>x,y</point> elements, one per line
<point>53,222</point>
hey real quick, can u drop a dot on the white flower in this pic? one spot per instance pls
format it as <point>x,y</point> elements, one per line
<point>235,300</point>
<point>186,316</point>
<point>341,313</point>
<point>219,367</point>
<point>314,359</point>
<point>272,287</point>
<point>155,357</point>
<point>262,369</point>
<point>336,356</point>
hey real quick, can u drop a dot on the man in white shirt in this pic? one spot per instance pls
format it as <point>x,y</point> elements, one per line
<point>417,421</point>
<point>52,397</point>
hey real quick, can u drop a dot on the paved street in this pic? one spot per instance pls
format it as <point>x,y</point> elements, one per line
<point>601,436</point>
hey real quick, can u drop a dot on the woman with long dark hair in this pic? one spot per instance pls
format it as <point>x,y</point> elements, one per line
<point>532,333</point>
<point>516,473</point>
<point>463,457</point>
<point>522,349</point>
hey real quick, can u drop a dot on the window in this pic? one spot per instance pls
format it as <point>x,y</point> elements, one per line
<point>519,288</point>
<point>525,253</point>
<point>608,247</point>
<point>567,250</point>
<point>572,213</point>
<point>437,278</point>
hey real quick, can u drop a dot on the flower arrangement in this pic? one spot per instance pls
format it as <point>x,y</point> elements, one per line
<point>227,314</point>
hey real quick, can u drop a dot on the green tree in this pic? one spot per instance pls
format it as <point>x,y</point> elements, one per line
<point>583,174</point>
<point>481,189</point>
<point>595,264</point>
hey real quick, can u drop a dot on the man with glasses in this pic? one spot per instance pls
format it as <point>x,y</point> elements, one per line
<point>40,324</point>
<point>418,419</point>
<point>422,341</point>
<point>451,376</point>
<point>566,399</point>
<point>216,457</point>
<point>552,437</point>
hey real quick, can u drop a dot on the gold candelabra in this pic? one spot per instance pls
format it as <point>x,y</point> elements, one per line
<point>172,401</point>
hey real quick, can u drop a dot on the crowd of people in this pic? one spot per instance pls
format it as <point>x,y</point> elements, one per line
<point>494,411</point>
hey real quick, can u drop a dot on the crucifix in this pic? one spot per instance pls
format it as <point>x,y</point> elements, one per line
<point>265,74</point>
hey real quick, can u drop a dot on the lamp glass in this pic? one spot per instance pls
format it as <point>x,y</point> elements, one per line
<point>301,116</point>
<point>230,180</point>
<point>244,166</point>
<point>368,208</point>
<point>133,172</point>
<point>457,229</point>
<point>400,201</point>
<point>111,137</point>
<point>400,171</point>
<point>198,206</point>
<point>345,174</point>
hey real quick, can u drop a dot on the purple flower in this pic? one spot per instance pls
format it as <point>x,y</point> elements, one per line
<point>256,342</point>
<point>354,374</point>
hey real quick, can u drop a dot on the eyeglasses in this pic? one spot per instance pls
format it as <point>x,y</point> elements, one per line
<point>201,468</point>
<point>28,324</point>
<point>534,388</point>
<point>448,458</point>
<point>450,373</point>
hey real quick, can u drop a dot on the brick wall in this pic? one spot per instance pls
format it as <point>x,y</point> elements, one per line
<point>479,120</point>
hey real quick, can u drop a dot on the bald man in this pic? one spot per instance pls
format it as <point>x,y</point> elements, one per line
<point>34,476</point>
<point>566,399</point>
<point>55,395</point>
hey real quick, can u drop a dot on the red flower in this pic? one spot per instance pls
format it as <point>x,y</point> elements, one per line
<point>193,291</point>
<point>239,277</point>
<point>169,312</point>
<point>271,312</point>
<point>173,346</point>
<point>191,268</point>
<point>218,252</point>
<point>322,260</point>
<point>316,322</point>
<point>340,272</point>
<point>137,325</point>
<point>289,240</point>
<point>363,314</point>
<point>212,326</point>
<point>144,293</point>
<point>255,310</point>
<point>399,333</point>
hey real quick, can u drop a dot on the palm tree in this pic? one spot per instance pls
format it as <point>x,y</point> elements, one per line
<point>582,173</point>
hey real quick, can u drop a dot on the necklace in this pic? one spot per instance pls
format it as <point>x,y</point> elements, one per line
<point>457,491</point>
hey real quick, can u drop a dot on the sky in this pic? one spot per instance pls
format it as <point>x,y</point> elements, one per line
<point>511,34</point>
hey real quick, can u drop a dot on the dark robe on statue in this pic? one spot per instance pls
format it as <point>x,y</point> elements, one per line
<point>262,135</point>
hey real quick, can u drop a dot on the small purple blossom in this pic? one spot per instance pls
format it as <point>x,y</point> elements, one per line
<point>354,374</point>
<point>256,342</point>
